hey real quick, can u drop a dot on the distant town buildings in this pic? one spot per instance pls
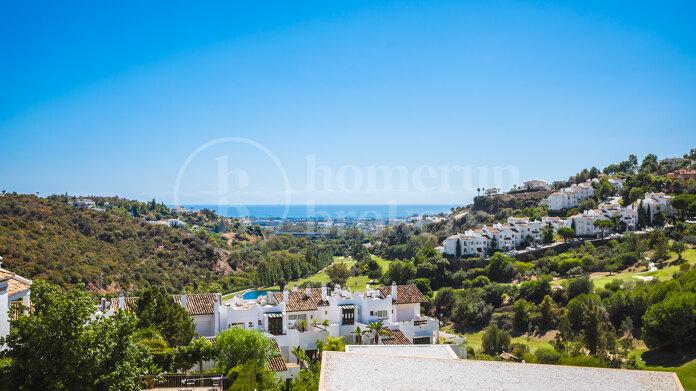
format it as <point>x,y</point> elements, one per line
<point>491,192</point>
<point>535,185</point>
<point>682,175</point>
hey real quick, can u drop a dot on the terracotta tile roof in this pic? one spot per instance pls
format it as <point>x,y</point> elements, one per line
<point>276,363</point>
<point>396,338</point>
<point>405,294</point>
<point>129,301</point>
<point>298,301</point>
<point>196,304</point>
<point>15,284</point>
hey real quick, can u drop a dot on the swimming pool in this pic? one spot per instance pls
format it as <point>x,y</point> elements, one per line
<point>252,295</point>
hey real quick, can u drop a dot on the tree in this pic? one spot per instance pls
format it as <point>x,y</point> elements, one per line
<point>603,225</point>
<point>236,346</point>
<point>458,249</point>
<point>359,334</point>
<point>548,312</point>
<point>400,272</point>
<point>199,350</point>
<point>156,309</point>
<point>594,326</point>
<point>338,273</point>
<point>566,233</point>
<point>547,233</point>
<point>495,340</point>
<point>497,267</point>
<point>444,300</point>
<point>672,322</point>
<point>520,314</point>
<point>57,346</point>
<point>376,328</point>
<point>678,248</point>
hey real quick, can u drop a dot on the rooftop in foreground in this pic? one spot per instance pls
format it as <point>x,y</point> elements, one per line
<point>425,351</point>
<point>397,372</point>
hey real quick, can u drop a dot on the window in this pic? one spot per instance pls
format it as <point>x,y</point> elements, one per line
<point>275,325</point>
<point>348,316</point>
<point>382,314</point>
<point>251,324</point>
<point>421,340</point>
<point>295,318</point>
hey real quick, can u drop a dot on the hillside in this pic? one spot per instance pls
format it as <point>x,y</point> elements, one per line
<point>109,252</point>
<point>513,200</point>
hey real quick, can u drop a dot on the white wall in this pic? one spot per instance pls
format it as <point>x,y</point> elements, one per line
<point>4,307</point>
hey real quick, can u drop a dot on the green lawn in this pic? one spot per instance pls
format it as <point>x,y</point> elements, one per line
<point>662,274</point>
<point>358,283</point>
<point>683,365</point>
<point>534,343</point>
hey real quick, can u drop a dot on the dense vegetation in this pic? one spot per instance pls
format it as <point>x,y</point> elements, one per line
<point>112,250</point>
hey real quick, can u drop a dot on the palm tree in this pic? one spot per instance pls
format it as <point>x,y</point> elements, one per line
<point>302,325</point>
<point>151,376</point>
<point>478,191</point>
<point>359,334</point>
<point>376,329</point>
<point>301,356</point>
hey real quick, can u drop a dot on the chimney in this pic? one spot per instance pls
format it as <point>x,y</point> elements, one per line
<point>323,291</point>
<point>183,298</point>
<point>270,298</point>
<point>337,289</point>
<point>394,290</point>
<point>286,295</point>
<point>216,313</point>
<point>238,299</point>
<point>308,290</point>
<point>121,301</point>
<point>294,288</point>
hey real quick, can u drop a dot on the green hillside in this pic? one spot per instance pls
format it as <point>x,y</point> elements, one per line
<point>51,240</point>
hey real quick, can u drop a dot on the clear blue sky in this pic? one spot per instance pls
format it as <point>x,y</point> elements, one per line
<point>111,99</point>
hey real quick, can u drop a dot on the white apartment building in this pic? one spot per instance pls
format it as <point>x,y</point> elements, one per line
<point>335,313</point>
<point>536,185</point>
<point>569,197</point>
<point>654,203</point>
<point>583,223</point>
<point>503,237</point>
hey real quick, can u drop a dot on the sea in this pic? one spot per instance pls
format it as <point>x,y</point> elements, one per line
<point>323,211</point>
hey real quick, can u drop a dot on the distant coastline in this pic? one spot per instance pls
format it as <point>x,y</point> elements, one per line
<point>380,211</point>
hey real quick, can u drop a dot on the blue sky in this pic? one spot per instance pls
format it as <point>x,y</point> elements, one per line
<point>112,99</point>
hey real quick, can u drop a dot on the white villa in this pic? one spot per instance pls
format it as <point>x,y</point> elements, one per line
<point>504,237</point>
<point>535,185</point>
<point>654,203</point>
<point>584,222</point>
<point>569,197</point>
<point>490,192</point>
<point>335,313</point>
<point>14,290</point>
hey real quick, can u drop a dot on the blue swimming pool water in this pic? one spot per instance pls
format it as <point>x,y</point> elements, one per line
<point>251,295</point>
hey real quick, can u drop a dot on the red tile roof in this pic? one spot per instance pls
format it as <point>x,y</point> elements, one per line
<point>14,284</point>
<point>405,294</point>
<point>298,301</point>
<point>276,363</point>
<point>196,304</point>
<point>396,338</point>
